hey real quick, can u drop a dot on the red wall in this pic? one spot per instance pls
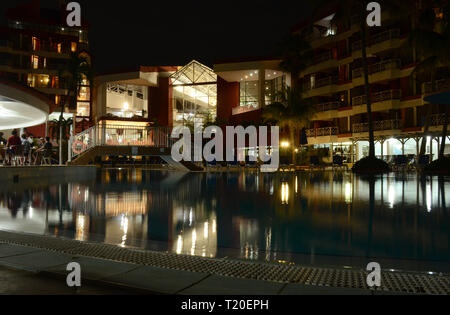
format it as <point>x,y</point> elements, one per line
<point>37,131</point>
<point>227,98</point>
<point>160,103</point>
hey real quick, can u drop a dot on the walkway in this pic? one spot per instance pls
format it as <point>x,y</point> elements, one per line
<point>170,274</point>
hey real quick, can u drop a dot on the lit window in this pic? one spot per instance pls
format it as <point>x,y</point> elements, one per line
<point>59,48</point>
<point>34,43</point>
<point>57,99</point>
<point>34,62</point>
<point>73,47</point>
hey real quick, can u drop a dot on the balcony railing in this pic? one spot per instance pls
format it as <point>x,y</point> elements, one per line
<point>322,132</point>
<point>382,125</point>
<point>440,85</point>
<point>377,39</point>
<point>438,120</point>
<point>325,107</point>
<point>378,97</point>
<point>378,67</point>
<point>323,57</point>
<point>320,83</point>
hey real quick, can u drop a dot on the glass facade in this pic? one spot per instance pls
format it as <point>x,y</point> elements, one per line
<point>194,90</point>
<point>249,94</point>
<point>273,88</point>
<point>127,101</point>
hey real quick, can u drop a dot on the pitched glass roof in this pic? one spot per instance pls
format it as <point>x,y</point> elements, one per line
<point>194,73</point>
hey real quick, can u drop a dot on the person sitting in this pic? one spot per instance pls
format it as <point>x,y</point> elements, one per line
<point>26,145</point>
<point>46,150</point>
<point>13,145</point>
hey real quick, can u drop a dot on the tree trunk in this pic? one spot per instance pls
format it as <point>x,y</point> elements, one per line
<point>423,147</point>
<point>444,134</point>
<point>292,139</point>
<point>367,89</point>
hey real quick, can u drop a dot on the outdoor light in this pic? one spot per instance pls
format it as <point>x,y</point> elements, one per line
<point>285,144</point>
<point>126,106</point>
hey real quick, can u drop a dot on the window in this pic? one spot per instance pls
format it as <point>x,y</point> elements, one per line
<point>34,62</point>
<point>73,47</point>
<point>59,48</point>
<point>249,94</point>
<point>126,101</point>
<point>35,43</point>
<point>273,88</point>
<point>57,99</point>
<point>83,109</point>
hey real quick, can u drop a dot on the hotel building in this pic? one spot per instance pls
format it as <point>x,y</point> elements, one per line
<point>335,80</point>
<point>35,48</point>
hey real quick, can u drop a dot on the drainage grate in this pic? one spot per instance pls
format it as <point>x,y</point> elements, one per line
<point>324,277</point>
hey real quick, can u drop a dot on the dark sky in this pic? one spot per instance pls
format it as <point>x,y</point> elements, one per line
<point>127,33</point>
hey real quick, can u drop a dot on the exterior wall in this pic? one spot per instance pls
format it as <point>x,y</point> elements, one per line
<point>160,103</point>
<point>227,99</point>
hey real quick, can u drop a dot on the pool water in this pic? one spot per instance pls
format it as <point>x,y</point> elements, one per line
<point>316,218</point>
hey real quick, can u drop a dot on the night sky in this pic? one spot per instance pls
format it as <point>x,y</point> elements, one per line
<point>128,33</point>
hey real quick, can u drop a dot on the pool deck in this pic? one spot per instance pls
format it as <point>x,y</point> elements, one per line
<point>9,174</point>
<point>109,269</point>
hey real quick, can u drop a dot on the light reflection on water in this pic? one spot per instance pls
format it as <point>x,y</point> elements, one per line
<point>251,216</point>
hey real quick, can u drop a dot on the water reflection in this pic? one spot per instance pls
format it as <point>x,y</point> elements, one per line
<point>251,216</point>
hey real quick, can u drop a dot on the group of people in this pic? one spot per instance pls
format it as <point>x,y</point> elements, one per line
<point>23,147</point>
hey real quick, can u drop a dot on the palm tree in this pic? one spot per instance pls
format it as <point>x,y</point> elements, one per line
<point>346,11</point>
<point>60,129</point>
<point>291,113</point>
<point>75,72</point>
<point>296,55</point>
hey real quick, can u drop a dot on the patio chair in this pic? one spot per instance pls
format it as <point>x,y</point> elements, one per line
<point>314,162</point>
<point>338,162</point>
<point>212,165</point>
<point>47,158</point>
<point>423,161</point>
<point>251,164</point>
<point>234,164</point>
<point>17,156</point>
<point>400,163</point>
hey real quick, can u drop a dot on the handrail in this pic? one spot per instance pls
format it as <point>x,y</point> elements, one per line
<point>120,135</point>
<point>378,67</point>
<point>378,97</point>
<point>378,38</point>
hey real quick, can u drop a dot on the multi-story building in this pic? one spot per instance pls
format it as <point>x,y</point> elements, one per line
<point>335,81</point>
<point>35,48</point>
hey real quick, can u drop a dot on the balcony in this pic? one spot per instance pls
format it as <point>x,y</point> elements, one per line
<point>378,39</point>
<point>378,68</point>
<point>439,86</point>
<point>323,58</point>
<point>383,125</point>
<point>322,132</point>
<point>320,83</point>
<point>378,97</point>
<point>438,120</point>
<point>325,107</point>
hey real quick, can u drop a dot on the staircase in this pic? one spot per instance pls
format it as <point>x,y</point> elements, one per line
<point>106,140</point>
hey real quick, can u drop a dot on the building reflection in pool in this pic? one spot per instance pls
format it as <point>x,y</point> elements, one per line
<point>250,216</point>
